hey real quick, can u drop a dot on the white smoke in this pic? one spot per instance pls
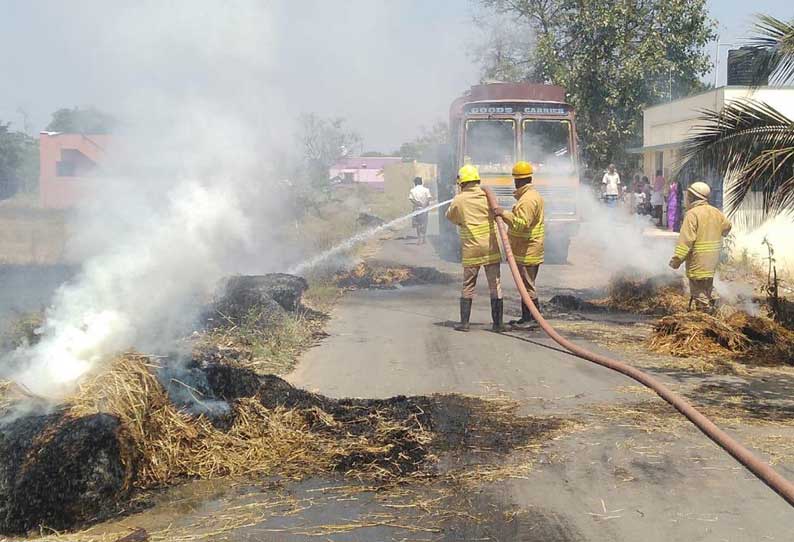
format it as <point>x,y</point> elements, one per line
<point>624,240</point>
<point>779,232</point>
<point>207,92</point>
<point>182,200</point>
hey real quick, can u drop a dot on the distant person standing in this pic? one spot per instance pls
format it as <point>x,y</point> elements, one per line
<point>611,186</point>
<point>699,245</point>
<point>673,206</point>
<point>469,211</point>
<point>657,197</point>
<point>421,198</point>
<point>527,229</point>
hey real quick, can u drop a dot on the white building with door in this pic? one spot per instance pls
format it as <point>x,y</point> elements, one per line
<point>667,126</point>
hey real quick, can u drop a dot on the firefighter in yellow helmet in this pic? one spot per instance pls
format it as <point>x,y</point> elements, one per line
<point>699,245</point>
<point>526,233</point>
<point>479,248</point>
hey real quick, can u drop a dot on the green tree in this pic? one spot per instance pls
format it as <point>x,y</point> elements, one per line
<point>323,142</point>
<point>83,121</point>
<point>614,57</point>
<point>19,162</point>
<point>424,148</point>
<point>748,141</point>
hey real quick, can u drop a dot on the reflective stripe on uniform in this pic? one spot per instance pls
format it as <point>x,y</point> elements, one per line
<point>536,233</point>
<point>529,260</point>
<point>681,251</point>
<point>482,260</point>
<point>476,232</point>
<point>700,274</point>
<point>518,223</point>
<point>707,246</point>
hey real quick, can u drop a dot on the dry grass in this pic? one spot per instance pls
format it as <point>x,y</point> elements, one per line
<point>736,336</point>
<point>164,444</point>
<point>632,292</point>
<point>265,350</point>
<point>20,330</point>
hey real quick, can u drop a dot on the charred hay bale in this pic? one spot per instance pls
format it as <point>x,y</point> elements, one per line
<point>255,300</point>
<point>228,382</point>
<point>275,392</point>
<point>286,290</point>
<point>572,303</point>
<point>58,471</point>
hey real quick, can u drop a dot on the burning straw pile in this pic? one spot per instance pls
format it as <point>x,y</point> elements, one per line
<point>256,436</point>
<point>752,339</point>
<point>386,276</point>
<point>630,291</point>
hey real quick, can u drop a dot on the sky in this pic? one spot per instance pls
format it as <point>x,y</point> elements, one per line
<point>389,66</point>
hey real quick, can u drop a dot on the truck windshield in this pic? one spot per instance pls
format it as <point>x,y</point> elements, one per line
<point>547,143</point>
<point>490,145</point>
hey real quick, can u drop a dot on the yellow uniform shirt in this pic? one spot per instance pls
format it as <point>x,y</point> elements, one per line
<point>469,211</point>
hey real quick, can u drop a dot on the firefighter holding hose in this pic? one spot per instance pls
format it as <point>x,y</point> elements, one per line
<point>699,245</point>
<point>479,248</point>
<point>526,222</point>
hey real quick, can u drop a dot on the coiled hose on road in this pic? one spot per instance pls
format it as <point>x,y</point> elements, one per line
<point>760,469</point>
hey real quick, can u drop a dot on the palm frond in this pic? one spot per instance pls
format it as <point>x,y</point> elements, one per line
<point>774,39</point>
<point>751,144</point>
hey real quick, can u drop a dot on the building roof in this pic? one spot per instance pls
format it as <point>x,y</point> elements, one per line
<point>366,162</point>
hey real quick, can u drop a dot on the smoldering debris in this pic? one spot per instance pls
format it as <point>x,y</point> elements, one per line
<point>631,291</point>
<point>754,340</point>
<point>384,275</point>
<point>269,296</point>
<point>121,433</point>
<point>141,422</point>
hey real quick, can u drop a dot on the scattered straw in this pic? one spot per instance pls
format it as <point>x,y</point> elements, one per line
<point>630,291</point>
<point>753,340</point>
<point>166,444</point>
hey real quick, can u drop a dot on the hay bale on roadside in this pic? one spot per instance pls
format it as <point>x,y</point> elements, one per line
<point>57,470</point>
<point>256,300</point>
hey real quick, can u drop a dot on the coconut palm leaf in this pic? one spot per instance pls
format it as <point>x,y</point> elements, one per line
<point>752,144</point>
<point>775,38</point>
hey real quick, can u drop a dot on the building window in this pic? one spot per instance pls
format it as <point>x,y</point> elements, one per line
<point>65,168</point>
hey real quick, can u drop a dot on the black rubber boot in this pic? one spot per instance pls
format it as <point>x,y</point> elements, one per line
<point>526,317</point>
<point>465,314</point>
<point>497,310</point>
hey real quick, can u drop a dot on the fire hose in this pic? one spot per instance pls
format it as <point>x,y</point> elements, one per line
<point>760,469</point>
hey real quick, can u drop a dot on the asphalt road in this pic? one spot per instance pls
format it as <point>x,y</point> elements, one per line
<point>607,482</point>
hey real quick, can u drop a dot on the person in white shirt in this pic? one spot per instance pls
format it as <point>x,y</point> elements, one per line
<point>420,197</point>
<point>611,188</point>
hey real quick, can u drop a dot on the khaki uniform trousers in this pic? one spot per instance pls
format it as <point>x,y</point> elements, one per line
<point>702,294</point>
<point>492,273</point>
<point>529,273</point>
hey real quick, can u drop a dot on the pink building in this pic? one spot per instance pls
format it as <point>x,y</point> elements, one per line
<point>364,169</point>
<point>67,162</point>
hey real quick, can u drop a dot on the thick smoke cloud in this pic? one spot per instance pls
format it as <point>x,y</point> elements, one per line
<point>207,93</point>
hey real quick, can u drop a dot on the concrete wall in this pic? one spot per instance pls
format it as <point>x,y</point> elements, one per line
<point>399,178</point>
<point>64,191</point>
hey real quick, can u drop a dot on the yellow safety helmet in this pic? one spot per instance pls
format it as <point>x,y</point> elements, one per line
<point>467,174</point>
<point>522,170</point>
<point>700,190</point>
